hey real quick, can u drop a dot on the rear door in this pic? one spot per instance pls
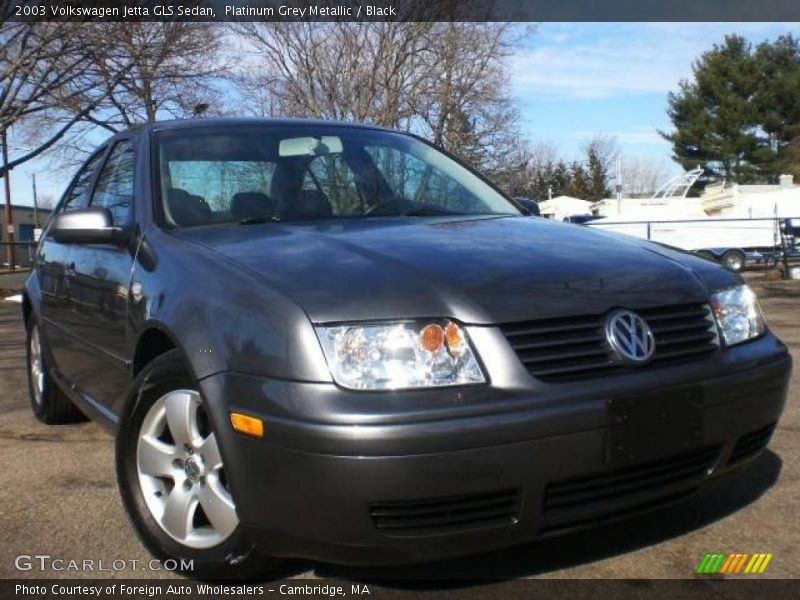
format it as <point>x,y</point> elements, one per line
<point>102,282</point>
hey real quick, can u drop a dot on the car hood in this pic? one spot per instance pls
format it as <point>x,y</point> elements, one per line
<point>479,270</point>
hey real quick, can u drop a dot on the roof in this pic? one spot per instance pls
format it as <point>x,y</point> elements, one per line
<point>239,121</point>
<point>564,197</point>
<point>26,207</point>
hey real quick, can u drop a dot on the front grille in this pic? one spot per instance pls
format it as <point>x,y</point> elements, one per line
<point>751,444</point>
<point>575,347</point>
<point>602,497</point>
<point>445,515</point>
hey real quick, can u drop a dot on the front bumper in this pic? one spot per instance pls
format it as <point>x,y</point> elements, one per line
<point>392,486</point>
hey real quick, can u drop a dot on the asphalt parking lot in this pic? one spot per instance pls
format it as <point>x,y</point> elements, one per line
<point>58,497</point>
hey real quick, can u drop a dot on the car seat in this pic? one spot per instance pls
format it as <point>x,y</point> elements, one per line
<point>247,205</point>
<point>186,209</point>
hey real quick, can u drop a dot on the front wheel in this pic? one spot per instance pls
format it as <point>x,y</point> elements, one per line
<point>172,478</point>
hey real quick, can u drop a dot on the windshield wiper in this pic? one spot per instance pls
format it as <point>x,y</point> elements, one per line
<point>424,211</point>
<point>257,220</point>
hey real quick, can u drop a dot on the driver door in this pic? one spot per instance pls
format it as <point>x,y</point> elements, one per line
<point>102,275</point>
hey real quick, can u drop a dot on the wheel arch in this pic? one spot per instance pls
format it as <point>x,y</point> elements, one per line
<point>27,309</point>
<point>153,341</point>
<point>31,299</point>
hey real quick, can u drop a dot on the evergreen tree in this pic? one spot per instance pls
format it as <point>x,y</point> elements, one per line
<point>778,103</point>
<point>597,165</point>
<point>578,186</point>
<point>739,117</point>
<point>714,115</point>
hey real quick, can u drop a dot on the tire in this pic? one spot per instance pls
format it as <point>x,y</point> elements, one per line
<point>733,260</point>
<point>177,500</point>
<point>49,404</point>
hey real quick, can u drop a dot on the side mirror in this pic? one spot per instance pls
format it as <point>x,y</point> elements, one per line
<point>86,226</point>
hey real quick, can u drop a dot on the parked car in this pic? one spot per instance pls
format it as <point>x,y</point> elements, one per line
<point>529,206</point>
<point>580,219</point>
<point>336,342</point>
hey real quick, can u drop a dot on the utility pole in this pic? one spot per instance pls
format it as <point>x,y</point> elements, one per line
<point>35,204</point>
<point>9,215</point>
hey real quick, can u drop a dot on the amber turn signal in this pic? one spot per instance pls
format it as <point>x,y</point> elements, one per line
<point>247,425</point>
<point>432,337</point>
<point>452,334</point>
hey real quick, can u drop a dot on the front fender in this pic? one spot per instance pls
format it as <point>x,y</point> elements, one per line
<point>222,316</point>
<point>31,297</point>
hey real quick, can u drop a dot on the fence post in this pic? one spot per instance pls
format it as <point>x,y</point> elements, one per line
<point>784,249</point>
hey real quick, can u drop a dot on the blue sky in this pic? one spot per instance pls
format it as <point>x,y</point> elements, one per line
<point>575,80</point>
<point>571,81</point>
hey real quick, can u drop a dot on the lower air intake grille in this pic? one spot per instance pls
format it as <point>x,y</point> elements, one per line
<point>575,347</point>
<point>751,444</point>
<point>596,498</point>
<point>445,515</point>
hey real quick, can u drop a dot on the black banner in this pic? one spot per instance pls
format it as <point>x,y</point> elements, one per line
<point>404,10</point>
<point>702,588</point>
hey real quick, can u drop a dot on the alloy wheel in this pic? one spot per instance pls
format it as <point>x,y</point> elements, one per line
<point>36,365</point>
<point>181,474</point>
<point>734,263</point>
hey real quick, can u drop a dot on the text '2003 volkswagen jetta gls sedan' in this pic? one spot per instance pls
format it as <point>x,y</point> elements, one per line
<point>328,341</point>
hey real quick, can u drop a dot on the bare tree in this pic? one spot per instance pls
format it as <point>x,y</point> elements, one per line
<point>124,74</point>
<point>642,177</point>
<point>528,169</point>
<point>48,75</point>
<point>446,81</point>
<point>172,68</point>
<point>344,71</point>
<point>465,103</point>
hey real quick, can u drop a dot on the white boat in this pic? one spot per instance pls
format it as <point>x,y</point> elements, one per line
<point>669,219</point>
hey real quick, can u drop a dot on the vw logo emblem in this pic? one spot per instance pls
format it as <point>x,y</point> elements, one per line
<point>629,336</point>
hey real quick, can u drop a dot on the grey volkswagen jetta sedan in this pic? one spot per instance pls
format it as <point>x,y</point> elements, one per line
<point>336,342</point>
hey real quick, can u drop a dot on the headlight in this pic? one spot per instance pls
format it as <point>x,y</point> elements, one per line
<point>390,356</point>
<point>738,314</point>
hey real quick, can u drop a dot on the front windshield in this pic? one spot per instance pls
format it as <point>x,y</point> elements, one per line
<point>258,174</point>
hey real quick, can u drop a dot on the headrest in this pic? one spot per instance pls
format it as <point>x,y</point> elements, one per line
<point>188,210</point>
<point>252,204</point>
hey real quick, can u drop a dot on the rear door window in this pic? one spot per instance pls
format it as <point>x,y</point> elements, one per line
<point>78,195</point>
<point>114,187</point>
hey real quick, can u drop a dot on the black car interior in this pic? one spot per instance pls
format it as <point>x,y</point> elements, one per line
<point>287,183</point>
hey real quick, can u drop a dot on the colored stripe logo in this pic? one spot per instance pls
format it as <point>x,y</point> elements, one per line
<point>734,563</point>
